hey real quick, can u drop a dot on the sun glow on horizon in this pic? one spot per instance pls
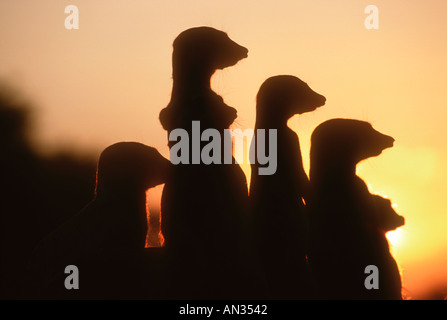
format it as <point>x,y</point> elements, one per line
<point>109,80</point>
<point>396,237</point>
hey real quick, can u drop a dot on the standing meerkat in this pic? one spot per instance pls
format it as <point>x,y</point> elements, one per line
<point>204,206</point>
<point>106,239</point>
<point>277,199</point>
<point>348,223</point>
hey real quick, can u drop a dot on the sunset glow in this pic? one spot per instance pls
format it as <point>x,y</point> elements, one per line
<point>108,81</point>
<point>396,238</point>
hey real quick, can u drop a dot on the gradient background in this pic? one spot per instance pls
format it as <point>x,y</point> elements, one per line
<point>107,82</point>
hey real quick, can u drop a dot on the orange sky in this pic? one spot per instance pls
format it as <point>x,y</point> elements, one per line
<point>107,82</point>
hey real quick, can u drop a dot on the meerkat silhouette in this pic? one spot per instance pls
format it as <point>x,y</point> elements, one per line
<point>197,54</point>
<point>106,239</point>
<point>276,200</point>
<point>203,206</point>
<point>386,219</point>
<point>348,223</point>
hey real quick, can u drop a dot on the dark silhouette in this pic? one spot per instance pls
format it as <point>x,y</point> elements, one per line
<point>106,239</point>
<point>204,206</point>
<point>38,192</point>
<point>277,206</point>
<point>386,218</point>
<point>348,223</point>
<point>287,239</point>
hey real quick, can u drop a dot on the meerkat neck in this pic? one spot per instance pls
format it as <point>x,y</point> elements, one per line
<point>269,116</point>
<point>191,81</point>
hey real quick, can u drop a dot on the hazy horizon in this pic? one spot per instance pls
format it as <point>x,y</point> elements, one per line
<point>108,80</point>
